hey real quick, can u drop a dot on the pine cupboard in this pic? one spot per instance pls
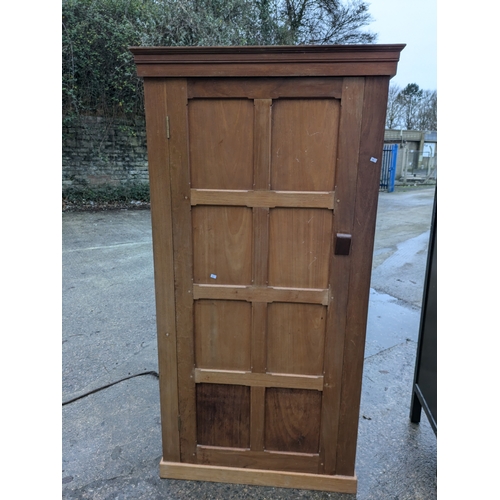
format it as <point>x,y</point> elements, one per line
<point>264,168</point>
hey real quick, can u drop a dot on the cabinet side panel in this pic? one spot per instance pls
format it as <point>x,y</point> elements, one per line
<point>367,189</point>
<point>161,218</point>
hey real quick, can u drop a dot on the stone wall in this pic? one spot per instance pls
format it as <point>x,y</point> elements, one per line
<point>100,152</point>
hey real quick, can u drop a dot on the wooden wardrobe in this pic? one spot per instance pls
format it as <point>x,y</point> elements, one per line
<point>264,168</point>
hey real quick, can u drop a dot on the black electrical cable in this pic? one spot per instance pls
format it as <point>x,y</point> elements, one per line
<point>152,372</point>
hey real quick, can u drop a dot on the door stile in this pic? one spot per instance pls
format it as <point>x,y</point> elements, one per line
<point>155,100</point>
<point>340,268</point>
<point>370,156</point>
<point>262,175</point>
<point>183,264</point>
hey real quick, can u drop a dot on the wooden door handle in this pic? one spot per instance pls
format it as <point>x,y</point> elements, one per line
<point>342,244</point>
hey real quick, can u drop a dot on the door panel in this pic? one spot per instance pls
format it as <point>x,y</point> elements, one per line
<point>299,247</point>
<point>222,245</point>
<point>304,144</point>
<point>223,415</point>
<point>261,276</point>
<point>223,334</point>
<point>295,338</point>
<point>221,143</point>
<point>292,420</point>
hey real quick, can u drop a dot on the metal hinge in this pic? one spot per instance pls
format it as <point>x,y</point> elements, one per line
<point>168,127</point>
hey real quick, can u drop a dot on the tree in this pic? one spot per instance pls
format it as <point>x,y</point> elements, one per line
<point>99,76</point>
<point>297,22</point>
<point>410,98</point>
<point>427,111</point>
<point>394,107</point>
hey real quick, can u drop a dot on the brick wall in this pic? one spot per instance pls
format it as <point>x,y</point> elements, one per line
<point>98,152</point>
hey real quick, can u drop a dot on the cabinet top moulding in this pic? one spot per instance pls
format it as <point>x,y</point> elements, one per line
<point>268,61</point>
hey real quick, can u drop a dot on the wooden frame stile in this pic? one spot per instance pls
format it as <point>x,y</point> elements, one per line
<point>155,102</point>
<point>268,222</point>
<point>365,213</point>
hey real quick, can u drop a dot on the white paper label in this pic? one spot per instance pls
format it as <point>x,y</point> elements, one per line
<point>213,276</point>
<point>374,160</point>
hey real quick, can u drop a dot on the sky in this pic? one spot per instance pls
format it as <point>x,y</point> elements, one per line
<point>413,22</point>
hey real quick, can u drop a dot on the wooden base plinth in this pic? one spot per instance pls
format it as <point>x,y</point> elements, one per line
<point>217,474</point>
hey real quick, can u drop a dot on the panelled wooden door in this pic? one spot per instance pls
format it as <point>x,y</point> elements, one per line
<point>262,176</point>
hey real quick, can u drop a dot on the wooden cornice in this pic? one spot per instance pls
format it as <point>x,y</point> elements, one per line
<point>289,60</point>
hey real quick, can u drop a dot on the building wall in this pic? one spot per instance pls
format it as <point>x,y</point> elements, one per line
<point>98,152</point>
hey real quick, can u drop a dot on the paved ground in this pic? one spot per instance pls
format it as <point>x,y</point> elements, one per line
<point>111,437</point>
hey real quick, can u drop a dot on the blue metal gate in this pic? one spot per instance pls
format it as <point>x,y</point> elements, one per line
<point>388,172</point>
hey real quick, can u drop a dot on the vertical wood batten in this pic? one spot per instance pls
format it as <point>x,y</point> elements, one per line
<point>372,132</point>
<point>183,265</point>
<point>155,101</point>
<point>261,173</point>
<point>340,266</point>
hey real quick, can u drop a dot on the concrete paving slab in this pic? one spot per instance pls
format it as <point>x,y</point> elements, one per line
<point>109,328</point>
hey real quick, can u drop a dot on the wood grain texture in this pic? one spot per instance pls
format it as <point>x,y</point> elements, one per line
<point>223,413</point>
<point>279,479</point>
<point>272,460</point>
<point>295,338</point>
<point>261,293</point>
<point>372,131</point>
<point>284,380</point>
<point>257,419</point>
<point>304,144</point>
<point>221,143</point>
<point>299,247</point>
<point>264,199</point>
<point>345,198</point>
<point>259,336</point>
<point>183,263</point>
<point>262,69</point>
<point>223,333</point>
<point>222,245</point>
<point>260,246</point>
<point>155,101</point>
<point>292,420</point>
<point>262,143</point>
<point>264,88</point>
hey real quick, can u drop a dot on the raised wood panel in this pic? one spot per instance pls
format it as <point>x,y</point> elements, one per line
<point>222,245</point>
<point>223,415</point>
<point>221,143</point>
<point>223,334</point>
<point>292,420</point>
<point>304,144</point>
<point>299,247</point>
<point>295,338</point>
